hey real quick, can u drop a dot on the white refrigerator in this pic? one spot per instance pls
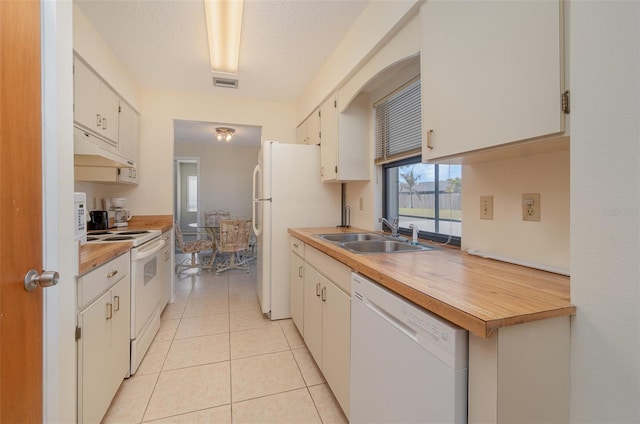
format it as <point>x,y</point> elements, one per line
<point>287,193</point>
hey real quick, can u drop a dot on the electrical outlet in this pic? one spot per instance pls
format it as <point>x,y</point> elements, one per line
<point>531,207</point>
<point>486,207</point>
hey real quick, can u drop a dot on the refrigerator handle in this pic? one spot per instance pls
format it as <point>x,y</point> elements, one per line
<point>255,201</point>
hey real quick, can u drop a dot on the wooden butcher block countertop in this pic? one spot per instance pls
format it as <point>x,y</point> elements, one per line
<point>93,255</point>
<point>480,295</point>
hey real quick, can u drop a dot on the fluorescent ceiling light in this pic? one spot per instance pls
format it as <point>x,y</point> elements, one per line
<point>224,24</point>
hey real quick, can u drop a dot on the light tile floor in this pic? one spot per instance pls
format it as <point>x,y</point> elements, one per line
<point>217,359</point>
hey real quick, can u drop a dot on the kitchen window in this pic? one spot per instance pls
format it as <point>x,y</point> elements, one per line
<point>192,193</point>
<point>425,195</point>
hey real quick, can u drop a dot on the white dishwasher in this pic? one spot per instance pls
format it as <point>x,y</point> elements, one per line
<point>407,365</point>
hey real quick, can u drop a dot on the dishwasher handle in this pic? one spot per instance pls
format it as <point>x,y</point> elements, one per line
<point>401,326</point>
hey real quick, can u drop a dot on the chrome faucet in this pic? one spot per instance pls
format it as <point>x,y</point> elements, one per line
<point>394,226</point>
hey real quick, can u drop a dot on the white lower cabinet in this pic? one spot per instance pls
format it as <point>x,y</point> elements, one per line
<point>327,320</point>
<point>296,284</point>
<point>103,340</point>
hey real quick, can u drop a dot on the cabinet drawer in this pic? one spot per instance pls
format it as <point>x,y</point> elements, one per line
<point>98,281</point>
<point>334,270</point>
<point>296,246</point>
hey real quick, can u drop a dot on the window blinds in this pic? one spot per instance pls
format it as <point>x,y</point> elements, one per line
<point>398,124</point>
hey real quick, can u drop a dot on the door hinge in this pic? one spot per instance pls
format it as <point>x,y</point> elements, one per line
<point>335,103</point>
<point>566,102</point>
<point>336,169</point>
<point>78,333</point>
<point>119,109</point>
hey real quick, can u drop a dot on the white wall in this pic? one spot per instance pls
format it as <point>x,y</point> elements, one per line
<point>59,301</point>
<point>159,108</point>
<point>543,243</point>
<point>605,211</point>
<point>97,53</point>
<point>378,23</point>
<point>225,175</point>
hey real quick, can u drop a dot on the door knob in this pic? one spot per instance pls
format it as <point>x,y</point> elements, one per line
<point>34,279</point>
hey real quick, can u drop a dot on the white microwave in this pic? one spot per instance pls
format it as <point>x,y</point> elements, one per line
<point>80,216</point>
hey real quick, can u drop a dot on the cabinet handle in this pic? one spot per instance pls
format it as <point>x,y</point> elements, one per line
<point>300,271</point>
<point>104,123</point>
<point>116,301</point>
<point>317,289</point>
<point>109,311</point>
<point>429,135</point>
<point>112,273</point>
<point>324,294</point>
<point>98,120</point>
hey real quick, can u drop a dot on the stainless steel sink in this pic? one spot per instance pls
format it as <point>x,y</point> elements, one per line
<point>350,237</point>
<point>383,246</point>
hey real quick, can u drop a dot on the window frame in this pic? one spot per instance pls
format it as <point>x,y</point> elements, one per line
<point>427,235</point>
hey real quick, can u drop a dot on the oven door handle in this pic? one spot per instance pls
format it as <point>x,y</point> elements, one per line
<point>149,249</point>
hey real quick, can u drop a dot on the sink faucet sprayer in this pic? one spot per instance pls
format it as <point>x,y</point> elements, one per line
<point>394,226</point>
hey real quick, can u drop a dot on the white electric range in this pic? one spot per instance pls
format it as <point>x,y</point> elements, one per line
<point>146,284</point>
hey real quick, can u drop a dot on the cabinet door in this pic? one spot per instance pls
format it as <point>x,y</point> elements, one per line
<point>120,331</point>
<point>296,282</point>
<point>128,128</point>
<point>336,342</point>
<point>301,133</point>
<point>313,283</point>
<point>313,128</point>
<point>86,97</point>
<point>491,74</point>
<point>94,357</point>
<point>329,141</point>
<point>109,107</point>
<point>166,271</point>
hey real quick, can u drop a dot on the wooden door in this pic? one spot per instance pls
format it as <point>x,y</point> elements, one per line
<point>20,212</point>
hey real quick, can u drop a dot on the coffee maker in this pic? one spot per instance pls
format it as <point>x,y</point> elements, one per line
<point>121,216</point>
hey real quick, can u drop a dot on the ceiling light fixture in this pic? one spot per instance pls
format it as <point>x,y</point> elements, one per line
<point>224,133</point>
<point>224,24</point>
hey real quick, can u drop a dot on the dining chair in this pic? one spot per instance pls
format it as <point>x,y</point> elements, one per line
<point>212,221</point>
<point>195,248</point>
<point>233,244</point>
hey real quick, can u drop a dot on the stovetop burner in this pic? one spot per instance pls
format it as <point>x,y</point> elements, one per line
<point>118,238</point>
<point>136,237</point>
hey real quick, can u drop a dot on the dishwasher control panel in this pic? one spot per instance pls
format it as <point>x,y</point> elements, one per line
<point>442,338</point>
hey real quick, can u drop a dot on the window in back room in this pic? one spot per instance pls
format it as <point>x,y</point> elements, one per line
<point>425,195</point>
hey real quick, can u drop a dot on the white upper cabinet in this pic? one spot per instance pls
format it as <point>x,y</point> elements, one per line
<point>128,127</point>
<point>95,105</point>
<point>344,146</point>
<point>492,74</point>
<point>309,131</point>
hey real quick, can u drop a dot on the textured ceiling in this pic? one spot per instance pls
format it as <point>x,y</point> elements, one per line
<point>163,43</point>
<point>204,132</point>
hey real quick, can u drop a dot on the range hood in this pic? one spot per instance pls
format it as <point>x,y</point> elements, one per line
<point>88,150</point>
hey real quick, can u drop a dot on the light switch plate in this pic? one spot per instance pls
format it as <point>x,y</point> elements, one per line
<point>531,207</point>
<point>486,207</point>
